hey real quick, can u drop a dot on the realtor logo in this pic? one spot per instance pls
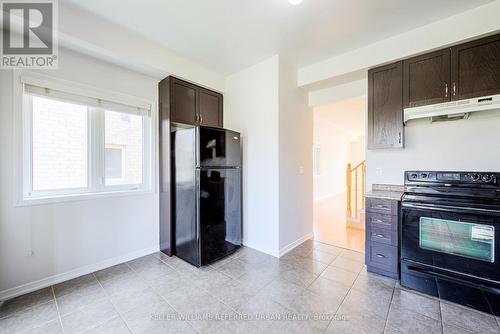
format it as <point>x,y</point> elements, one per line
<point>29,34</point>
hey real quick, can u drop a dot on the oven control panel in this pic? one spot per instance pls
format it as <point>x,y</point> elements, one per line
<point>422,176</point>
<point>481,177</point>
<point>453,177</point>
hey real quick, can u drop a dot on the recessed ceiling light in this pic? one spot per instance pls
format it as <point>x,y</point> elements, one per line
<point>295,2</point>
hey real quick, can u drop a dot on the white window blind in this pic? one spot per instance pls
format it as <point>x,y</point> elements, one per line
<point>63,96</point>
<point>79,140</point>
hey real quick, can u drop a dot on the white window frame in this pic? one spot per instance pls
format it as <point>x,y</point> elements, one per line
<point>96,186</point>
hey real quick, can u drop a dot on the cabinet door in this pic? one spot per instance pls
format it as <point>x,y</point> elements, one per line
<point>475,68</point>
<point>210,108</point>
<point>183,102</point>
<point>385,106</point>
<point>426,79</point>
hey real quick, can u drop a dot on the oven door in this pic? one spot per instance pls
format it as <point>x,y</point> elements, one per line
<point>453,239</point>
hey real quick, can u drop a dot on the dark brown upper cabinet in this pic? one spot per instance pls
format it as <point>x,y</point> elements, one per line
<point>462,72</point>
<point>194,105</point>
<point>475,68</point>
<point>184,102</point>
<point>210,109</point>
<point>385,106</point>
<point>426,79</point>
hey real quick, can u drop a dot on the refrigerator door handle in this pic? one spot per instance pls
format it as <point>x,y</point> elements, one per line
<point>197,206</point>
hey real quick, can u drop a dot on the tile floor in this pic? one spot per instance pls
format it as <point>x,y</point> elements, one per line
<point>317,288</point>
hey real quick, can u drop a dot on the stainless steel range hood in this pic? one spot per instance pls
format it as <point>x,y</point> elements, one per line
<point>453,110</point>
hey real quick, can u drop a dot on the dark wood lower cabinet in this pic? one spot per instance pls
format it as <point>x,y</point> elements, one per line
<point>382,241</point>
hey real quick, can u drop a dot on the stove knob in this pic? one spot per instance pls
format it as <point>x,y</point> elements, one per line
<point>475,177</point>
<point>413,176</point>
<point>487,178</point>
<point>423,175</point>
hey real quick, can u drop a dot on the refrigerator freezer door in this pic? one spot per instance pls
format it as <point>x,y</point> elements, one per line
<point>218,148</point>
<point>220,213</point>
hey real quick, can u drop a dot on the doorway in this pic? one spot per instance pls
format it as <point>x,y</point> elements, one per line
<point>339,173</point>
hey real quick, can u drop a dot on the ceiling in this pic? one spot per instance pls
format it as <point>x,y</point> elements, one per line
<point>347,115</point>
<point>229,35</point>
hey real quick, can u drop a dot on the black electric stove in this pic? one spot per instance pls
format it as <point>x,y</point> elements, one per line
<point>450,236</point>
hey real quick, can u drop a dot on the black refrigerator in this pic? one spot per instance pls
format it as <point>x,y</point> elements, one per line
<point>206,181</point>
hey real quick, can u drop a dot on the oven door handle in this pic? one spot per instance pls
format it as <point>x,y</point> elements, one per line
<point>448,208</point>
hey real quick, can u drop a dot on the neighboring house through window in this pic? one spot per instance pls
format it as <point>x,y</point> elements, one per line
<point>76,144</point>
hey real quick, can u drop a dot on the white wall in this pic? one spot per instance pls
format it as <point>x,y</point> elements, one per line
<point>357,150</point>
<point>295,160</point>
<point>252,108</point>
<point>341,92</point>
<point>465,145</point>
<point>475,22</point>
<point>71,236</point>
<point>334,156</point>
<point>472,144</point>
<point>264,104</point>
<point>113,43</point>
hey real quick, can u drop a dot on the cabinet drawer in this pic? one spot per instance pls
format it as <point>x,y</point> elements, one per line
<point>383,235</point>
<point>378,205</point>
<point>381,220</point>
<point>383,256</point>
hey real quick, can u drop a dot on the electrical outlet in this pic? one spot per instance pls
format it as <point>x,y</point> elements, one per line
<point>378,171</point>
<point>301,169</point>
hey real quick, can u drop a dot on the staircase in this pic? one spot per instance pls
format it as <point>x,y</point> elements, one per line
<point>356,188</point>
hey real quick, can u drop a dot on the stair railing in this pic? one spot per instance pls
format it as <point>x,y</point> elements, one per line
<point>359,201</point>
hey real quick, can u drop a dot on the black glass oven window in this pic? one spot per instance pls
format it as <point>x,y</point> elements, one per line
<point>475,241</point>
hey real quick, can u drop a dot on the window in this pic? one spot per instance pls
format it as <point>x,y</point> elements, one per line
<point>60,145</point>
<point>316,153</point>
<point>75,145</point>
<point>123,148</point>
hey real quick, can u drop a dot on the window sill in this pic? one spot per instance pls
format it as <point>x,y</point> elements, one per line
<point>81,197</point>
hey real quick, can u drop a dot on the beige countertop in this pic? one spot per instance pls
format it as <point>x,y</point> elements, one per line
<point>386,191</point>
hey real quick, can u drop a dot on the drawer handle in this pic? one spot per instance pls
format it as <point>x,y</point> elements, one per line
<point>380,206</point>
<point>377,221</point>
<point>380,235</point>
<point>380,256</point>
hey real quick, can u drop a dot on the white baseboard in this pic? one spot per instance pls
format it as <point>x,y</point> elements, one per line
<point>58,278</point>
<point>296,243</point>
<point>245,243</point>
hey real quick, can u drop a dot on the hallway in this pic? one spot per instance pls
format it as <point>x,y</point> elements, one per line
<point>330,225</point>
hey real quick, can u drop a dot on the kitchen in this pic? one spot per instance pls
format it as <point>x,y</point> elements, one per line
<point>105,258</point>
